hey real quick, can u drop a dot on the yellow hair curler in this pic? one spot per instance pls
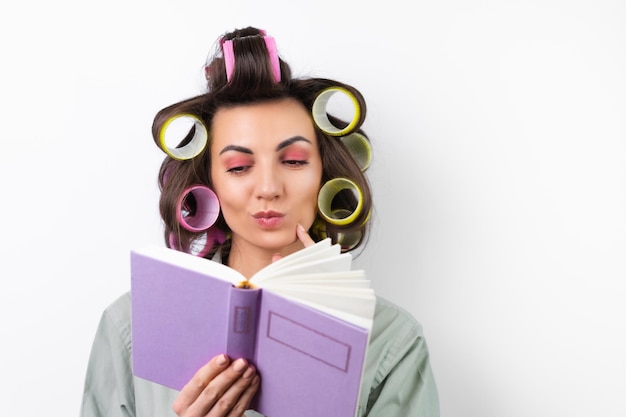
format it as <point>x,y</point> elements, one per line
<point>196,144</point>
<point>360,148</point>
<point>328,192</point>
<point>320,116</point>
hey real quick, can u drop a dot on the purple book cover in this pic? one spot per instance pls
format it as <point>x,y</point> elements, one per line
<point>310,363</point>
<point>178,320</point>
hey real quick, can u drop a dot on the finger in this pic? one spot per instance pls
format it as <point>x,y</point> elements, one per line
<point>245,399</point>
<point>235,381</point>
<point>196,385</point>
<point>210,401</point>
<point>304,236</point>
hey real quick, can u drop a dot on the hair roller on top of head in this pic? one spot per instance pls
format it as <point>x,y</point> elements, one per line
<point>228,51</point>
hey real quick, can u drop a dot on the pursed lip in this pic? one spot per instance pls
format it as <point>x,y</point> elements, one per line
<point>268,219</point>
<point>267,214</point>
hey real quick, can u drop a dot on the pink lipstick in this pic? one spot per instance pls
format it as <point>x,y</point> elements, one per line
<point>268,219</point>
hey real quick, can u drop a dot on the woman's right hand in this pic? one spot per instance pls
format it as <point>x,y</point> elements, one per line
<point>221,388</point>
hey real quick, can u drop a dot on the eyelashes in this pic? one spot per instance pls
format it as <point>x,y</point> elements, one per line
<point>295,158</point>
<point>292,159</point>
<point>237,170</point>
<point>240,169</point>
<point>238,164</point>
<point>295,163</point>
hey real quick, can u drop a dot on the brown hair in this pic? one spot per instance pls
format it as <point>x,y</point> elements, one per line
<point>252,81</point>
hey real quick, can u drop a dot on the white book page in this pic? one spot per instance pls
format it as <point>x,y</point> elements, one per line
<point>319,258</point>
<point>336,278</point>
<point>354,305</point>
<point>321,251</point>
<point>318,281</point>
<point>335,264</point>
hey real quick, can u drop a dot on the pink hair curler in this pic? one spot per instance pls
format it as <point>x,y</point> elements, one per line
<point>270,44</point>
<point>205,211</point>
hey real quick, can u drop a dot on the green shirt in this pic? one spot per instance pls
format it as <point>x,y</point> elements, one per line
<point>398,380</point>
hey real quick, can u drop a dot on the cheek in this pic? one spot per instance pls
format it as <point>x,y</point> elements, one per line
<point>307,191</point>
<point>232,208</point>
<point>230,197</point>
<point>308,208</point>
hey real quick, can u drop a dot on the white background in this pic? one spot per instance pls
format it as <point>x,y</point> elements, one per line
<point>499,172</point>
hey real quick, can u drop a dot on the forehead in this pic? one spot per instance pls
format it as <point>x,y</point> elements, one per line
<point>262,123</point>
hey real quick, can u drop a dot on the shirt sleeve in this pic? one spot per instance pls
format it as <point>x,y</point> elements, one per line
<point>109,381</point>
<point>403,384</point>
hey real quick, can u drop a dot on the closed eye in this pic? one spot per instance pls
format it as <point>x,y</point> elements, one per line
<point>295,163</point>
<point>238,169</point>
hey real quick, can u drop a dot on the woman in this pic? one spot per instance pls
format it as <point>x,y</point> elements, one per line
<point>267,153</point>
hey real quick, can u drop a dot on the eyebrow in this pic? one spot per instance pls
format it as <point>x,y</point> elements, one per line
<point>236,148</point>
<point>290,141</point>
<point>281,145</point>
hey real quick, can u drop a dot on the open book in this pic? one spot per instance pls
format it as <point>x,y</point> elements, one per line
<point>303,321</point>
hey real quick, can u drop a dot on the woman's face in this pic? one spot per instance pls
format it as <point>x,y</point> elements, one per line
<point>266,170</point>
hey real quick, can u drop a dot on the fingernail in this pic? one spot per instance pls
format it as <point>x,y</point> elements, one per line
<point>301,228</point>
<point>249,372</point>
<point>239,364</point>
<point>222,360</point>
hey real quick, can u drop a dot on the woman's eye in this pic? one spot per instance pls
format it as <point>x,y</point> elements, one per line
<point>237,164</point>
<point>295,162</point>
<point>295,158</point>
<point>238,169</point>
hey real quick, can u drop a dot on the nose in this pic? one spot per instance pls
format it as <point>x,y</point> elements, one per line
<point>269,183</point>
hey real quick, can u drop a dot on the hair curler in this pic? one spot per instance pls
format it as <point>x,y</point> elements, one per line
<point>348,239</point>
<point>228,53</point>
<point>197,208</point>
<point>360,148</point>
<point>193,147</point>
<point>320,116</point>
<point>339,216</point>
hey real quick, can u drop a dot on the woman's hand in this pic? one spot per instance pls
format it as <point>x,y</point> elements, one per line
<point>302,236</point>
<point>221,388</point>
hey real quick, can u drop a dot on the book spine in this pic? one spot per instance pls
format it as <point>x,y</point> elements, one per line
<point>242,325</point>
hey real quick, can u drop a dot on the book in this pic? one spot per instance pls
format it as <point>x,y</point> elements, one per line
<point>304,321</point>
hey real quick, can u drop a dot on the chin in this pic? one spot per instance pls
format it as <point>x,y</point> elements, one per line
<point>277,242</point>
